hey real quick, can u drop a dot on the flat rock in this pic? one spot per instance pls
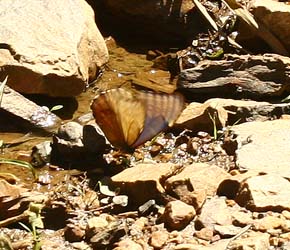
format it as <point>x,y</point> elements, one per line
<point>58,50</point>
<point>219,245</point>
<point>262,146</point>
<point>214,212</point>
<point>227,112</point>
<point>265,193</point>
<point>126,244</point>
<point>252,240</point>
<point>198,174</point>
<point>228,230</point>
<point>252,76</point>
<point>27,111</point>
<point>142,182</point>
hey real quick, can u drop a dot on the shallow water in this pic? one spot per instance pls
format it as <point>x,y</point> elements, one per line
<point>18,139</point>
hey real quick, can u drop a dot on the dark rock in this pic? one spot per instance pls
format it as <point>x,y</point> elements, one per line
<point>252,76</point>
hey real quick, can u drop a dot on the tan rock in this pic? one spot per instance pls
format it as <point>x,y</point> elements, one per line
<point>228,230</point>
<point>252,240</point>
<point>127,244</point>
<point>286,214</point>
<point>285,236</point>
<point>267,139</point>
<point>269,222</point>
<point>265,192</point>
<point>204,234</point>
<point>58,50</point>
<point>177,214</point>
<point>219,245</point>
<point>214,212</point>
<point>158,239</point>
<point>183,191</point>
<point>198,174</point>
<point>142,182</point>
<point>96,223</point>
<point>242,218</point>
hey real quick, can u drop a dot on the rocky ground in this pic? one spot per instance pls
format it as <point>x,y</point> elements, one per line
<point>217,179</point>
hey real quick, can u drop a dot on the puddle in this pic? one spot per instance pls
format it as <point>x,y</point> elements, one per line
<point>120,70</point>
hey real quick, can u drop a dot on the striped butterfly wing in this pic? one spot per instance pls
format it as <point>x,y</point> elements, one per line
<point>130,118</point>
<point>162,110</point>
<point>120,115</point>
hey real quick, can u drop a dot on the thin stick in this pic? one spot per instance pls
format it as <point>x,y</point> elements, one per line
<point>244,229</point>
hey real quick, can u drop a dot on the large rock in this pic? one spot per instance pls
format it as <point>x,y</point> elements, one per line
<point>264,193</point>
<point>227,112</point>
<point>235,76</point>
<point>143,181</point>
<point>192,183</point>
<point>49,47</point>
<point>263,146</point>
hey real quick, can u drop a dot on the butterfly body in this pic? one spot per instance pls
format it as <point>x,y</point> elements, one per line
<point>129,118</point>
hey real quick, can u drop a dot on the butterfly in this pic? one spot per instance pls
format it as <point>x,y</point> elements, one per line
<point>129,118</point>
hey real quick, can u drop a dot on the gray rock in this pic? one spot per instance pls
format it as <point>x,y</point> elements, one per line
<point>75,142</point>
<point>20,107</point>
<point>58,50</point>
<point>254,76</point>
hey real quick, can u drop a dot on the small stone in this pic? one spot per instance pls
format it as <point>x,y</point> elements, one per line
<point>158,239</point>
<point>286,214</point>
<point>95,224</point>
<point>138,226</point>
<point>80,245</point>
<point>192,147</point>
<point>229,230</point>
<point>267,223</point>
<point>285,236</point>
<point>127,244</point>
<point>178,214</point>
<point>74,233</point>
<point>242,218</point>
<point>204,234</point>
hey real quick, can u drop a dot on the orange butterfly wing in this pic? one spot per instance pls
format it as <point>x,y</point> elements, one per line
<point>161,111</point>
<point>120,115</point>
<point>130,118</point>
